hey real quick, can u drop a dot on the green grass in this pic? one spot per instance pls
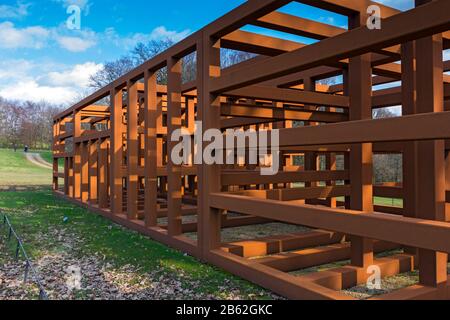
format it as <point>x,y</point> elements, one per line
<point>36,215</point>
<point>388,202</point>
<point>47,155</point>
<point>378,201</point>
<point>15,170</point>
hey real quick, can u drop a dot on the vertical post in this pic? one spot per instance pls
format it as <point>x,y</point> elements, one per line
<point>55,174</point>
<point>310,157</point>
<point>431,154</point>
<point>56,145</point>
<point>55,149</point>
<point>77,171</point>
<point>102,174</point>
<point>345,76</point>
<point>84,171</point>
<point>160,145</point>
<point>174,197</point>
<point>361,167</point>
<point>208,59</point>
<point>76,156</point>
<point>132,151</point>
<point>331,166</point>
<point>93,171</point>
<point>116,150</point>
<point>151,135</point>
<point>71,178</point>
<point>409,95</point>
<point>447,184</point>
<point>66,176</point>
<point>190,115</point>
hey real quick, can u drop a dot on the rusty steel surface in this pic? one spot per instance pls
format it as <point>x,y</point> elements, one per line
<point>116,148</point>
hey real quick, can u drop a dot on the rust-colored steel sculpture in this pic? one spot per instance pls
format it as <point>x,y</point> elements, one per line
<point>117,163</point>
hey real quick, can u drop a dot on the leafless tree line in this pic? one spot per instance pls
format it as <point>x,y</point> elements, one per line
<point>26,123</point>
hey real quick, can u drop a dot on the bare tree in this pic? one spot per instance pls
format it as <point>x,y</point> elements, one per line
<point>111,71</point>
<point>144,51</point>
<point>230,57</point>
<point>27,123</point>
<point>382,113</point>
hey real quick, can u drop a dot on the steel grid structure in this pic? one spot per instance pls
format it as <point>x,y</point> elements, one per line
<point>116,159</point>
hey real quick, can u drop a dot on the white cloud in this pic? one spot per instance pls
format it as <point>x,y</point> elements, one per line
<point>28,80</point>
<point>37,37</point>
<point>75,44</point>
<point>77,76</point>
<point>159,33</point>
<point>30,37</point>
<point>32,91</point>
<point>15,69</point>
<point>14,12</point>
<point>162,33</point>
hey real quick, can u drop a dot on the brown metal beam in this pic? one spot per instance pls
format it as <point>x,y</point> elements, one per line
<point>397,29</point>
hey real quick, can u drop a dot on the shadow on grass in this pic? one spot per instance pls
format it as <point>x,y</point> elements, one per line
<point>37,215</point>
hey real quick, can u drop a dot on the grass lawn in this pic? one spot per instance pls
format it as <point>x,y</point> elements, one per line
<point>388,202</point>
<point>47,155</point>
<point>379,201</point>
<point>15,170</point>
<point>38,218</point>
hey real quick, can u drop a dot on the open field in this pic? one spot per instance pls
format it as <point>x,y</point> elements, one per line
<point>15,170</point>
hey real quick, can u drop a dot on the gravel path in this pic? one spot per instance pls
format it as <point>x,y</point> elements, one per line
<point>36,159</point>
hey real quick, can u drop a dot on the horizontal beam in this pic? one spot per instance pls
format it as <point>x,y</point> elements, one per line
<point>306,258</point>
<point>349,7</point>
<point>236,178</point>
<point>388,192</point>
<point>393,96</point>
<point>281,114</point>
<point>258,44</point>
<point>378,226</point>
<point>308,28</point>
<point>397,29</point>
<point>299,26</point>
<point>242,122</point>
<point>241,16</point>
<point>293,194</point>
<point>433,126</point>
<point>290,95</point>
<point>93,135</point>
<point>281,243</point>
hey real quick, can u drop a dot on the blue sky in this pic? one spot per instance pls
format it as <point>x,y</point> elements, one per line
<point>41,59</point>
